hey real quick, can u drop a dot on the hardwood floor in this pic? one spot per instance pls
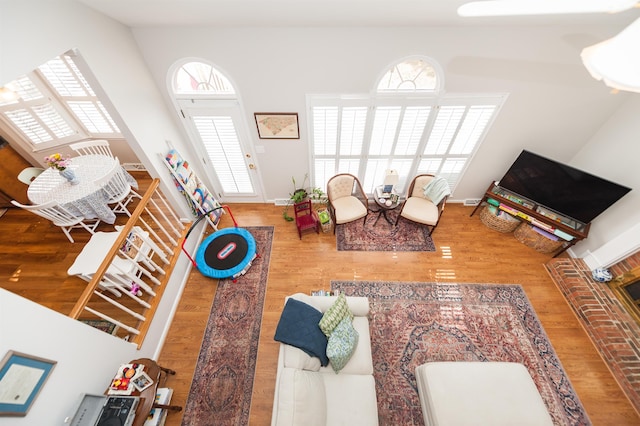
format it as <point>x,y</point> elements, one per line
<point>35,257</point>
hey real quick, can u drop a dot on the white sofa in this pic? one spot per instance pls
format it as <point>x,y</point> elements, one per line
<point>307,394</point>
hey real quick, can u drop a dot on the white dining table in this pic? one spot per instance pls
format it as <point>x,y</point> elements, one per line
<point>84,199</point>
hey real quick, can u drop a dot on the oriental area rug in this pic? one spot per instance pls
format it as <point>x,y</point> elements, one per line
<point>223,380</point>
<point>414,323</point>
<point>377,234</point>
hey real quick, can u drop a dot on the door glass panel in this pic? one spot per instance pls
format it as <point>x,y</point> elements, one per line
<point>220,140</point>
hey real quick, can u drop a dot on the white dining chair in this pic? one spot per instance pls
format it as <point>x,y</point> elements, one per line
<point>61,217</point>
<point>118,189</point>
<point>139,256</point>
<point>95,147</point>
<point>27,175</point>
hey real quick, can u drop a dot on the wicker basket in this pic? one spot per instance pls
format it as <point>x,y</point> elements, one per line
<point>504,223</point>
<point>327,225</point>
<point>527,236</point>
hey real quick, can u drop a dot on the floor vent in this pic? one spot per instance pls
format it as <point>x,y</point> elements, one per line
<point>281,201</point>
<point>471,201</point>
<point>133,166</point>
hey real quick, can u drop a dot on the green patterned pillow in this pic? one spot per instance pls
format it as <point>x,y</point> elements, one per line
<point>342,344</point>
<point>334,315</point>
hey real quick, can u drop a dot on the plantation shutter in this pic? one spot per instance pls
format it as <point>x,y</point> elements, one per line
<point>410,135</point>
<point>69,83</point>
<point>220,139</point>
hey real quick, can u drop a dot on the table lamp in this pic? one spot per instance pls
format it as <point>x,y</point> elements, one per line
<point>391,178</point>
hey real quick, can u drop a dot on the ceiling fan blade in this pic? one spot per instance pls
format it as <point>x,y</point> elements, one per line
<point>616,61</point>
<point>542,7</point>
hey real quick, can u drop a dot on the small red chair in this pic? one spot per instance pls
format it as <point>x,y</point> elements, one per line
<point>305,217</point>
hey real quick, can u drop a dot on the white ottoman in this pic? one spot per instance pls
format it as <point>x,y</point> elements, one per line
<point>479,393</point>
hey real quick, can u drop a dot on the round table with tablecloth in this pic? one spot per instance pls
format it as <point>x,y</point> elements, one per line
<point>83,199</point>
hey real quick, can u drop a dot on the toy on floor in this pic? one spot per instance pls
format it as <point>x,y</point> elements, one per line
<point>227,253</point>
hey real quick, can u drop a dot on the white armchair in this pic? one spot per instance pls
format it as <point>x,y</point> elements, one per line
<point>419,207</point>
<point>347,199</point>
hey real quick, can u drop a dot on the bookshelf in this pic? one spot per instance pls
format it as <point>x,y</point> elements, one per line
<point>566,229</point>
<point>198,197</point>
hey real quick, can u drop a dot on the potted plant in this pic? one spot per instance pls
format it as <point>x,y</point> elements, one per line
<point>300,194</point>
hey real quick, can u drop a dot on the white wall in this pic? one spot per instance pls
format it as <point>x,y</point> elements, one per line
<point>613,153</point>
<point>86,358</point>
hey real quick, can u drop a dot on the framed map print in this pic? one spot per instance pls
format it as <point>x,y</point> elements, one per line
<point>277,125</point>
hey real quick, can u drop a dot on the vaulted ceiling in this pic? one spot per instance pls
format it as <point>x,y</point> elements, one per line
<point>145,13</point>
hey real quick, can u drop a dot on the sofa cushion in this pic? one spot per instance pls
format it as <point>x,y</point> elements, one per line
<point>359,306</point>
<point>293,357</point>
<point>301,398</point>
<point>421,210</point>
<point>348,209</point>
<point>342,343</point>
<point>298,326</point>
<point>351,399</point>
<point>336,313</point>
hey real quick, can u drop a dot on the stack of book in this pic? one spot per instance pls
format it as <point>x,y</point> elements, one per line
<point>158,416</point>
<point>384,191</point>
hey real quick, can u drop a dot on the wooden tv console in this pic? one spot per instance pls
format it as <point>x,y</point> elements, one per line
<point>567,230</point>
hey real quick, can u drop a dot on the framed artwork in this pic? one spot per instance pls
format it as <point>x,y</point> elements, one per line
<point>22,377</point>
<point>277,125</point>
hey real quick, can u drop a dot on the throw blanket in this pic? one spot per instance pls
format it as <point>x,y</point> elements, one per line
<point>437,189</point>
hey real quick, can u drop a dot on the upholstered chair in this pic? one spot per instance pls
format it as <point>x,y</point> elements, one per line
<point>419,207</point>
<point>347,199</point>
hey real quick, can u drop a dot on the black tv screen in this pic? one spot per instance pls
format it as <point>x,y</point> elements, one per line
<point>566,190</point>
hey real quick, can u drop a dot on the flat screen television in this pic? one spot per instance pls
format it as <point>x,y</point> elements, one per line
<point>568,191</point>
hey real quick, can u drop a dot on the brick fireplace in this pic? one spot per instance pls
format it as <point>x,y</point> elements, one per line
<point>612,329</point>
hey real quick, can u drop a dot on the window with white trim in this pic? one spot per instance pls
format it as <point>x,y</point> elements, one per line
<point>55,105</point>
<point>407,126</point>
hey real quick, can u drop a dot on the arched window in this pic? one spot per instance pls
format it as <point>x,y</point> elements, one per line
<point>406,124</point>
<point>201,78</point>
<point>412,75</point>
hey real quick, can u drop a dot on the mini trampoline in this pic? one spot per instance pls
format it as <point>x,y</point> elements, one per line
<point>227,253</point>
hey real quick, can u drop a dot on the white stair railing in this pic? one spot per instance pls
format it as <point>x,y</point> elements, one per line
<point>128,286</point>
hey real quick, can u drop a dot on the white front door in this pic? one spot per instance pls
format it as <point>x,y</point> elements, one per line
<point>220,136</point>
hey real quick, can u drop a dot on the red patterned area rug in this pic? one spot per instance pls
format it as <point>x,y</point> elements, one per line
<point>380,235</point>
<point>414,323</point>
<point>223,380</point>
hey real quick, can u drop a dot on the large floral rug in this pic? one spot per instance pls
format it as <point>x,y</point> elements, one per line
<point>377,234</point>
<point>223,380</point>
<point>414,323</point>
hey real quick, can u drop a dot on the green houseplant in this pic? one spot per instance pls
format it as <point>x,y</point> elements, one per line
<point>299,194</point>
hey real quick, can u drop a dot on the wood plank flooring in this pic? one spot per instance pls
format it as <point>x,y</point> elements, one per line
<point>36,255</point>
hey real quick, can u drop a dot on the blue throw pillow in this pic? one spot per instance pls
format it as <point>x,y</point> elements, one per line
<point>298,326</point>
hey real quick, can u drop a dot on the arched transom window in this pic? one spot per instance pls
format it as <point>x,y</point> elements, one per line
<point>201,78</point>
<point>409,76</point>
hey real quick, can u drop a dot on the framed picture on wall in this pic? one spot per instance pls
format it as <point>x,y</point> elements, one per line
<point>22,377</point>
<point>277,125</point>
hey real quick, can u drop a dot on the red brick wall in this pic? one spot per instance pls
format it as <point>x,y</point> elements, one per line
<point>626,265</point>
